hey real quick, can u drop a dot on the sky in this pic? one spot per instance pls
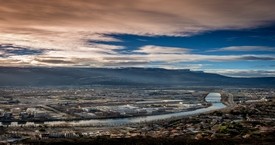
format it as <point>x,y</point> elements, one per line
<point>233,38</point>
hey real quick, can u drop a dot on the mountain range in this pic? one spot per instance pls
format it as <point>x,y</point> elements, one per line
<point>43,76</point>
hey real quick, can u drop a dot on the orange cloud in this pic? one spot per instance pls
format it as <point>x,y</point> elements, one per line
<point>63,27</point>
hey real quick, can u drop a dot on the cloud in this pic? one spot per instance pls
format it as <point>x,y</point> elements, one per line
<point>96,56</point>
<point>245,48</point>
<point>244,73</point>
<point>2,54</point>
<point>151,49</point>
<point>58,60</point>
<point>57,24</point>
<point>170,66</point>
<point>251,57</point>
<point>156,17</point>
<point>58,32</point>
<point>9,50</point>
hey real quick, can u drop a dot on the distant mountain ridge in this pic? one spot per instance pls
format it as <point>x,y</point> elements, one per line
<point>39,76</point>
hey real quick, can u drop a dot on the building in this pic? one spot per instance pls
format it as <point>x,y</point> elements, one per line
<point>2,112</point>
<point>16,111</point>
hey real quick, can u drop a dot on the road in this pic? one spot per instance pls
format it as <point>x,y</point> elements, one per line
<point>54,110</point>
<point>230,100</point>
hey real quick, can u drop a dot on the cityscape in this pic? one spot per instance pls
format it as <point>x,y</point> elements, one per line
<point>137,72</point>
<point>89,113</point>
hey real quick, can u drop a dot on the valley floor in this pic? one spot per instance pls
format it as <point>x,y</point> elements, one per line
<point>246,123</point>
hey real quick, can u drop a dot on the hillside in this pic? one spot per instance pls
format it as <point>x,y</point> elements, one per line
<point>11,76</point>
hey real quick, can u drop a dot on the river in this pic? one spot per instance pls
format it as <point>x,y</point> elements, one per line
<point>213,98</point>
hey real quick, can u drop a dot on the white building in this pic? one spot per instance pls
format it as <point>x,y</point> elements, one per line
<point>1,112</point>
<point>15,111</point>
<point>31,111</point>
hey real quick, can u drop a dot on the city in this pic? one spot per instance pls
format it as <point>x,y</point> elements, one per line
<point>110,112</point>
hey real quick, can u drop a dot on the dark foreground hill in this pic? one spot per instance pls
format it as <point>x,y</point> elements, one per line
<point>122,76</point>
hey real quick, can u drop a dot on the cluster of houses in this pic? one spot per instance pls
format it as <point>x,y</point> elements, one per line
<point>23,114</point>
